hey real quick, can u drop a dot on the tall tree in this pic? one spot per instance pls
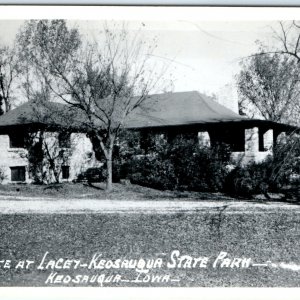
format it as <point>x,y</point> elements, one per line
<point>9,71</point>
<point>269,86</point>
<point>104,80</point>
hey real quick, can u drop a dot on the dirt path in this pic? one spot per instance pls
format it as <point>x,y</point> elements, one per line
<point>25,205</point>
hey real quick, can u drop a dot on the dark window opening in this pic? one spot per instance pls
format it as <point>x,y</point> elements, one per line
<point>17,173</point>
<point>238,145</point>
<point>64,140</point>
<point>65,172</point>
<point>234,137</point>
<point>17,140</point>
<point>261,146</point>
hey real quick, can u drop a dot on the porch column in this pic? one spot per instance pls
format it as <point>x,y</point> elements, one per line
<point>204,139</point>
<point>268,140</point>
<point>251,140</point>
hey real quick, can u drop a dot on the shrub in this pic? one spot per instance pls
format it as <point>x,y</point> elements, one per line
<point>92,175</point>
<point>181,164</point>
<point>286,160</point>
<point>271,175</point>
<point>199,168</point>
<point>152,171</point>
<point>249,180</point>
<point>184,165</point>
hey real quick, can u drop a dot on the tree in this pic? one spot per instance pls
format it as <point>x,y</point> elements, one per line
<point>288,37</point>
<point>45,156</point>
<point>9,71</point>
<point>283,56</point>
<point>269,86</point>
<point>49,147</point>
<point>48,139</point>
<point>59,44</point>
<point>269,82</point>
<point>104,80</point>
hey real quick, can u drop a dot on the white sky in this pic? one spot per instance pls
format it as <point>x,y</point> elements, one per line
<point>206,54</point>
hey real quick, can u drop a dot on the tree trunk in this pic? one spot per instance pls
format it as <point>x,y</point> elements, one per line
<point>7,105</point>
<point>109,171</point>
<point>1,105</point>
<point>56,174</point>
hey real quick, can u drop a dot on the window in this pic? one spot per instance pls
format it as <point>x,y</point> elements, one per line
<point>65,172</point>
<point>261,146</point>
<point>64,140</point>
<point>237,141</point>
<point>265,139</point>
<point>17,174</point>
<point>16,140</point>
<point>233,136</point>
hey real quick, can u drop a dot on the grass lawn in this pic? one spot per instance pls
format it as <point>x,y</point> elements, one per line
<point>262,237</point>
<point>97,191</point>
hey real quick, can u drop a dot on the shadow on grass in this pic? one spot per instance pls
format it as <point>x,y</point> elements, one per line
<point>55,186</point>
<point>89,184</point>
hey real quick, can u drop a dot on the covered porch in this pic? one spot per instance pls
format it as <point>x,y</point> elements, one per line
<point>249,140</point>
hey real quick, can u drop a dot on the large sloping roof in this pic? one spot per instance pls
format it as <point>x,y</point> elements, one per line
<point>160,110</point>
<point>181,108</point>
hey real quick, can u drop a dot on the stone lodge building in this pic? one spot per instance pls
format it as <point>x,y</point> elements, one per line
<point>168,114</point>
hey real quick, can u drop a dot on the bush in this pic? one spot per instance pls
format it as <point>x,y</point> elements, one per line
<point>271,175</point>
<point>92,175</point>
<point>181,164</point>
<point>199,168</point>
<point>152,172</point>
<point>286,160</point>
<point>249,180</point>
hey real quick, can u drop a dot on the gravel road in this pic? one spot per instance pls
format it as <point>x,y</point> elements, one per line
<point>26,205</point>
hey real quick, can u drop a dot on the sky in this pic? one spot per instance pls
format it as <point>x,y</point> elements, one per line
<point>205,56</point>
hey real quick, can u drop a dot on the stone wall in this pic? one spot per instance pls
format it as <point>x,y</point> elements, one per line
<point>80,156</point>
<point>11,157</point>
